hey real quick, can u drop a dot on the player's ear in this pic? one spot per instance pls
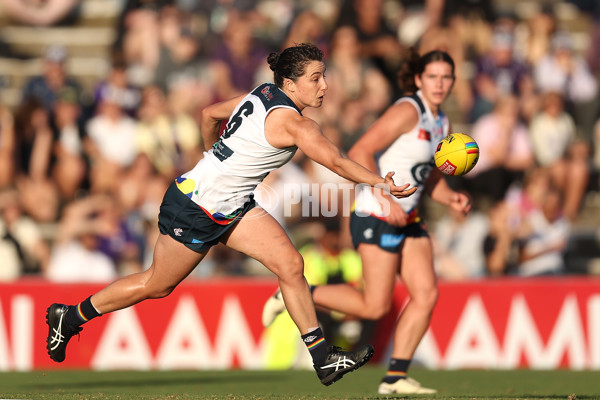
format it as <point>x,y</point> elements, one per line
<point>289,84</point>
<point>417,79</point>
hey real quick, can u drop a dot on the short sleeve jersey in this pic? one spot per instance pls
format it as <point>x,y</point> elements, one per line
<point>410,156</point>
<point>224,180</point>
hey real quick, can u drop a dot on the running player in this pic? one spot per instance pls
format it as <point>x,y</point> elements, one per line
<point>213,203</point>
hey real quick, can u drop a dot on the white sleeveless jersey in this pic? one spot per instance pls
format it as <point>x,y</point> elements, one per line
<point>224,180</point>
<point>410,156</point>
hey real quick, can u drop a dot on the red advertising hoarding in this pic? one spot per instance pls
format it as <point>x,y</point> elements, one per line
<point>215,324</point>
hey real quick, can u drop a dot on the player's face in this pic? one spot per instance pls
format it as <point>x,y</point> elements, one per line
<point>310,88</point>
<point>436,82</point>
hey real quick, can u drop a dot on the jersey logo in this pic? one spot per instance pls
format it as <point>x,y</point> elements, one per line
<point>177,231</point>
<point>420,172</point>
<point>267,93</point>
<point>424,135</point>
<point>390,240</point>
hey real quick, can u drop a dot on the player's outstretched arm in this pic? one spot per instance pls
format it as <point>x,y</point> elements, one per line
<point>306,134</point>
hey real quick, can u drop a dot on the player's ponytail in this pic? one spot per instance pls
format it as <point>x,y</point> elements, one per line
<point>410,67</point>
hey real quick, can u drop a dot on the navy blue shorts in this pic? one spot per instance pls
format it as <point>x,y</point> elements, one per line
<point>371,230</point>
<point>186,222</point>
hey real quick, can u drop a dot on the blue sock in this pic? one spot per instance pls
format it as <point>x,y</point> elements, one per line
<point>396,370</point>
<point>317,346</point>
<point>81,313</point>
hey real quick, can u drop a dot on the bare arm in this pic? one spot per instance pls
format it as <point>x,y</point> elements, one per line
<point>397,119</point>
<point>439,191</point>
<point>286,128</point>
<point>212,117</point>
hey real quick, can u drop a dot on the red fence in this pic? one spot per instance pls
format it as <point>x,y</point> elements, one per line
<point>505,323</point>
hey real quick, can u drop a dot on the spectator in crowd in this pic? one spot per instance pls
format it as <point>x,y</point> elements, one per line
<point>307,27</point>
<point>543,230</point>
<point>69,169</point>
<point>564,71</point>
<point>542,252</point>
<point>76,256</point>
<point>498,73</point>
<point>354,79</point>
<point>458,245</point>
<point>553,136</point>
<point>34,159</point>
<point>120,236</point>
<point>170,140</point>
<point>7,147</point>
<point>139,194</point>
<point>537,35</point>
<point>596,144</point>
<point>45,87</point>
<point>23,250</point>
<point>179,49</point>
<point>500,245</point>
<point>138,39</point>
<point>118,86</point>
<point>238,59</point>
<point>379,43</point>
<point>110,144</point>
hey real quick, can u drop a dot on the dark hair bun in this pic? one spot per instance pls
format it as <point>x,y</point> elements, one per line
<point>273,59</point>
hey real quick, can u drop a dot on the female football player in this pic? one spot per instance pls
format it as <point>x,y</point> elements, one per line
<point>213,203</point>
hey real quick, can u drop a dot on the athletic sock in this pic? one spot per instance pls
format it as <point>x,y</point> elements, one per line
<point>317,346</point>
<point>81,313</point>
<point>396,370</point>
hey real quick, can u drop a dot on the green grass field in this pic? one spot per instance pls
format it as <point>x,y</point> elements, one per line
<point>234,385</point>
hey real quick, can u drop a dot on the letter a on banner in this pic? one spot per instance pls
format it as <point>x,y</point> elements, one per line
<point>186,343</point>
<point>123,344</point>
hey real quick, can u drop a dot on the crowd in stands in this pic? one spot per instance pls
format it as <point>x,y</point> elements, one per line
<point>83,169</point>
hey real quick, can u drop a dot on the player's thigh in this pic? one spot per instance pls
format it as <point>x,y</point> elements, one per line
<point>172,262</point>
<point>259,235</point>
<point>416,266</point>
<point>379,272</point>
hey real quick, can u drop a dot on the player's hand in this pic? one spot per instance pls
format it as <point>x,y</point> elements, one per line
<point>397,215</point>
<point>398,191</point>
<point>460,202</point>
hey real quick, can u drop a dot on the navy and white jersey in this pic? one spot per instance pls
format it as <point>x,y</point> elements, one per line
<point>223,181</point>
<point>410,156</point>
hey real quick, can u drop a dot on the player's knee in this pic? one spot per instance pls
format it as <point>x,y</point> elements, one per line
<point>426,298</point>
<point>159,292</point>
<point>291,268</point>
<point>376,311</point>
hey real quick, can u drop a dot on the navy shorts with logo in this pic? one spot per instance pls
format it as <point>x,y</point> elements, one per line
<point>186,222</point>
<point>371,230</point>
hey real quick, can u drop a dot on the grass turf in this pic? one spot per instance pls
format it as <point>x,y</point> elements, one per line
<point>237,385</point>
